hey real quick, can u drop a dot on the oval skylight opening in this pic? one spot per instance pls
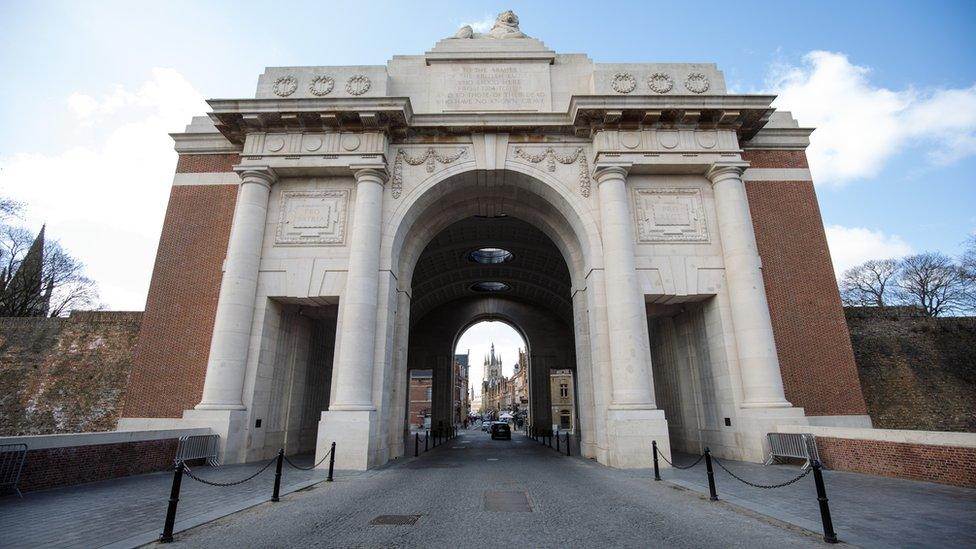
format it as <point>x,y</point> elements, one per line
<point>490,256</point>
<point>490,287</point>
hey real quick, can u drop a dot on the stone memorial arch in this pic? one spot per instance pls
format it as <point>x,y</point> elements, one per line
<point>665,238</point>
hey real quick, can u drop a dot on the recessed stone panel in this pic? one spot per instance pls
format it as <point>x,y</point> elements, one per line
<point>670,215</point>
<point>312,218</point>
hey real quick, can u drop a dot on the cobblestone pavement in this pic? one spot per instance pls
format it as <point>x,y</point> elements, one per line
<point>867,510</point>
<point>475,492</point>
<point>130,511</point>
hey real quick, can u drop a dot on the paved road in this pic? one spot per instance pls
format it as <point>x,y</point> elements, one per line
<point>474,492</point>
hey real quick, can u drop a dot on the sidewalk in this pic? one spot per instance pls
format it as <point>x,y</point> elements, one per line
<point>867,510</point>
<point>129,511</point>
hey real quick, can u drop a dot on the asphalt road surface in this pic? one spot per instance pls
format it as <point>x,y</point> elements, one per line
<point>475,492</point>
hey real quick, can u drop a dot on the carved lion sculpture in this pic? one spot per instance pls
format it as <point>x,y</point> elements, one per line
<point>506,26</point>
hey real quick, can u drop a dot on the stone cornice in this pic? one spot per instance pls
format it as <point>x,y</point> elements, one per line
<point>746,114</point>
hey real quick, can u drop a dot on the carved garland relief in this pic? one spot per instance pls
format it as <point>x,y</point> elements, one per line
<point>550,156</point>
<point>312,218</point>
<point>429,157</point>
<point>670,215</point>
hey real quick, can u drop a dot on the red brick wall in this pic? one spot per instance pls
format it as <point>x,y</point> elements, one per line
<point>53,467</point>
<point>174,343</point>
<point>943,464</point>
<point>206,163</point>
<point>812,340</point>
<point>419,403</point>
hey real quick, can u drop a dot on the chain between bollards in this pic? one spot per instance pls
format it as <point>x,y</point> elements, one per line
<point>331,463</point>
<point>828,525</point>
<point>174,500</point>
<point>657,470</point>
<point>711,476</point>
<point>277,484</point>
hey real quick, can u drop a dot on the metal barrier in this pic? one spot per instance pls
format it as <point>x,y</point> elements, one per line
<point>12,457</point>
<point>198,447</point>
<point>792,445</point>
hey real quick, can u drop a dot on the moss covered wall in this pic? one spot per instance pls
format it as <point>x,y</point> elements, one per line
<point>63,375</point>
<point>916,372</point>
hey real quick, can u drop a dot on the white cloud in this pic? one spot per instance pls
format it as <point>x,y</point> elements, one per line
<point>105,199</point>
<point>860,126</point>
<point>478,339</point>
<point>483,25</point>
<point>851,246</point>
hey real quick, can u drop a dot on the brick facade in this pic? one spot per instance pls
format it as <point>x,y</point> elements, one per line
<point>420,400</point>
<point>171,359</point>
<point>812,340</point>
<point>953,465</point>
<point>51,467</point>
<point>206,163</point>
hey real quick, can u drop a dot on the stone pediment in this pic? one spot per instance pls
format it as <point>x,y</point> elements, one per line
<point>488,49</point>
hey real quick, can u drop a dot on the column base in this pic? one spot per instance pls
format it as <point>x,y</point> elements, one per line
<point>352,431</point>
<point>751,427</point>
<point>629,436</point>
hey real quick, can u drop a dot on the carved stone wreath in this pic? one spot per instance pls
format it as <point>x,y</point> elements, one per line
<point>623,82</point>
<point>358,85</point>
<point>321,85</point>
<point>660,82</point>
<point>697,83</point>
<point>285,86</point>
<point>550,156</point>
<point>429,157</point>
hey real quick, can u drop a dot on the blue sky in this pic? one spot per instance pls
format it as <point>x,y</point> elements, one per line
<point>93,87</point>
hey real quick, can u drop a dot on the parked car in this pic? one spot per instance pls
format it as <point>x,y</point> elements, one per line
<point>500,429</point>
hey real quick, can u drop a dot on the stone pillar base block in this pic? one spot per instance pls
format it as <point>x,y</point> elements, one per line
<point>630,433</point>
<point>231,425</point>
<point>751,427</point>
<point>352,431</point>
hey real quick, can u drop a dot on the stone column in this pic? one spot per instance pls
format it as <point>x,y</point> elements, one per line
<point>351,420</point>
<point>224,384</point>
<point>630,353</point>
<point>633,421</point>
<point>354,369</point>
<point>762,383</point>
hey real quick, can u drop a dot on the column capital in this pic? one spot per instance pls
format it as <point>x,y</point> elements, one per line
<point>606,172</point>
<point>373,172</point>
<point>724,170</point>
<point>262,175</point>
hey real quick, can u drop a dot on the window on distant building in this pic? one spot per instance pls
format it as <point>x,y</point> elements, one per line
<point>430,392</point>
<point>564,390</point>
<point>564,420</point>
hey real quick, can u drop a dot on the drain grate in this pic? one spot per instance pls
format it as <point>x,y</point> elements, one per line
<point>511,502</point>
<point>395,520</point>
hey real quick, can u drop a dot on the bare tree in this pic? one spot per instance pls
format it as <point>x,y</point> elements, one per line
<point>9,207</point>
<point>968,263</point>
<point>869,283</point>
<point>64,284</point>
<point>933,281</point>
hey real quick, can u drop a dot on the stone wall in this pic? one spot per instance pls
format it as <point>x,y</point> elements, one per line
<point>65,375</point>
<point>916,372</point>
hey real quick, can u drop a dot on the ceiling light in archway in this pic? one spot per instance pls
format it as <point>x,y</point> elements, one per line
<point>491,286</point>
<point>490,256</point>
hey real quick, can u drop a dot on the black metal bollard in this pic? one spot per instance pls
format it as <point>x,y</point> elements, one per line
<point>416,444</point>
<point>277,486</point>
<point>657,471</point>
<point>828,525</point>
<point>567,445</point>
<point>426,439</point>
<point>331,463</point>
<point>557,441</point>
<point>711,476</point>
<point>174,499</point>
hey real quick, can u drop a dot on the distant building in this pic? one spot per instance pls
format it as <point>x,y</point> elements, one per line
<point>421,397</point>
<point>563,402</point>
<point>461,405</point>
